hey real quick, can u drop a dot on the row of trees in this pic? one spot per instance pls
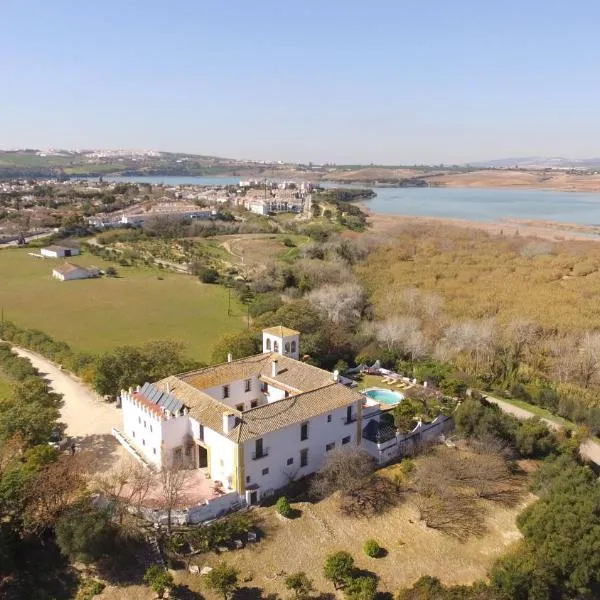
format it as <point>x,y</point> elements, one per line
<point>110,372</point>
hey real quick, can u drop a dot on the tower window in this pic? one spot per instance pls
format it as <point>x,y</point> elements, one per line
<point>268,343</point>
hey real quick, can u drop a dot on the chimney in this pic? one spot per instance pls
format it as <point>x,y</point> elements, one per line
<point>274,368</point>
<point>229,357</point>
<point>336,375</point>
<point>229,422</point>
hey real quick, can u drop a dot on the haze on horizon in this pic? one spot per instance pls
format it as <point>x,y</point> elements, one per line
<point>389,82</point>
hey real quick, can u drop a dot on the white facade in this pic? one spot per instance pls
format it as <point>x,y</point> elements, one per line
<point>75,273</point>
<point>58,251</point>
<point>282,451</point>
<point>207,434</point>
<point>282,340</point>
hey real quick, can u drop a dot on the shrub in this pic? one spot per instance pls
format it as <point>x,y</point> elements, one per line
<point>372,548</point>
<point>158,579</point>
<point>209,275</point>
<point>222,580</point>
<point>283,507</point>
<point>338,567</point>
<point>300,584</point>
<point>88,588</point>
<point>361,588</point>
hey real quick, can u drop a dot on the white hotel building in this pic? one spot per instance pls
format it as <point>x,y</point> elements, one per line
<point>252,424</point>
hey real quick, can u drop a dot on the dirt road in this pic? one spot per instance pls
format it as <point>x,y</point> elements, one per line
<point>590,449</point>
<point>89,420</point>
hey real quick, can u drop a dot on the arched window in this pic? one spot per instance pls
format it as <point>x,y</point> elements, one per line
<point>287,347</point>
<point>268,343</point>
<point>294,346</point>
<point>276,346</point>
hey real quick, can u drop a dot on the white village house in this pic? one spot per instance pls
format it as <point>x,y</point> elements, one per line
<point>252,424</point>
<point>69,272</point>
<point>58,251</point>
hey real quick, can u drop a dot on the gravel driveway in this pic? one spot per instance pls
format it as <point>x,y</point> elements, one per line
<point>89,420</point>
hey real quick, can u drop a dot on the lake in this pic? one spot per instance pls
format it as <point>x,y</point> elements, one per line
<point>475,204</point>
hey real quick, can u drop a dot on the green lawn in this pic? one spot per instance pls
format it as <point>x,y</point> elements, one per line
<point>98,314</point>
<point>368,381</point>
<point>539,411</point>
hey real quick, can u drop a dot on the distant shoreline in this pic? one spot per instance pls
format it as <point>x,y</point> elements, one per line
<point>390,225</point>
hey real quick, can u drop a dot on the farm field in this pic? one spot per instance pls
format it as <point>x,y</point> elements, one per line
<point>98,314</point>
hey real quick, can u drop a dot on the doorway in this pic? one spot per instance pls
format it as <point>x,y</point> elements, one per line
<point>253,497</point>
<point>202,457</point>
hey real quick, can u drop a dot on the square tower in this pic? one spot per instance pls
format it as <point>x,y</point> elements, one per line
<point>282,340</point>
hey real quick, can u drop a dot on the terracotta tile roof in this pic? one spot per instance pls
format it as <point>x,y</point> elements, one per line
<point>294,374</point>
<point>242,368</point>
<point>291,374</point>
<point>264,419</point>
<point>203,408</point>
<point>281,331</point>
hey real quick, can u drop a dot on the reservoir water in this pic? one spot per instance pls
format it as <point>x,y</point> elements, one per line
<point>475,204</point>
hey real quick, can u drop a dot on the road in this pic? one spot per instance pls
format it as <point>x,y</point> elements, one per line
<point>518,412</point>
<point>28,238</point>
<point>589,449</point>
<point>89,420</point>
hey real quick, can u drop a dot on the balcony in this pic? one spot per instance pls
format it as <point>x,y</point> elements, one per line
<point>259,455</point>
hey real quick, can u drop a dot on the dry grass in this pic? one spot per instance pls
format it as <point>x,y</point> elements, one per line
<point>413,550</point>
<point>256,249</point>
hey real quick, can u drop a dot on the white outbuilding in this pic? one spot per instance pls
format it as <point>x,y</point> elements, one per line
<point>59,251</point>
<point>69,271</point>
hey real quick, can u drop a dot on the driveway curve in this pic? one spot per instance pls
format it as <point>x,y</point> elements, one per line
<point>88,418</point>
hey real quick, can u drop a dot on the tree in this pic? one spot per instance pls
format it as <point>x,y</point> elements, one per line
<point>534,438</point>
<point>53,489</point>
<point>172,478</point>
<point>124,486</point>
<point>223,580</point>
<point>338,568</point>
<point>158,579</point>
<point>300,584</point>
<point>344,469</point>
<point>341,303</point>
<point>208,275</point>
<point>84,532</point>
<point>240,344</point>
<point>128,366</point>
<point>361,588</point>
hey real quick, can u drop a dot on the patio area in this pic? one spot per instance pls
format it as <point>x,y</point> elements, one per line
<point>196,489</point>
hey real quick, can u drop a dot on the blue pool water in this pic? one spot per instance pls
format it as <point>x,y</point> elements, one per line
<point>384,396</point>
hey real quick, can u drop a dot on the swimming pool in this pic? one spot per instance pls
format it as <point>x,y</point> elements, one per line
<point>384,396</point>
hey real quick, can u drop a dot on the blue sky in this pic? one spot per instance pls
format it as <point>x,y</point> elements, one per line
<point>330,80</point>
